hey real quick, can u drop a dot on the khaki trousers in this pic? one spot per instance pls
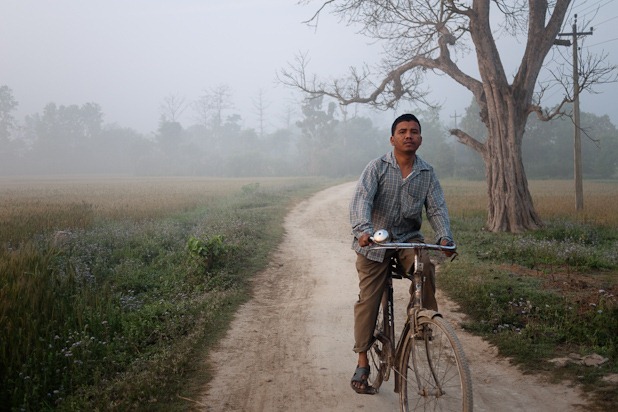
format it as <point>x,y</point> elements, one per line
<point>372,277</point>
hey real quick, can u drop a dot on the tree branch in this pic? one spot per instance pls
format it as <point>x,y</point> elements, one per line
<point>316,15</point>
<point>469,141</point>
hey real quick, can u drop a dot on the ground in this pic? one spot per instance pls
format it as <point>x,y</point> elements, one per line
<point>584,289</point>
<point>290,347</point>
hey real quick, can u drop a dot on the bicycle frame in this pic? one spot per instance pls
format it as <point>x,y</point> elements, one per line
<point>388,341</point>
<point>415,306</point>
<point>428,360</point>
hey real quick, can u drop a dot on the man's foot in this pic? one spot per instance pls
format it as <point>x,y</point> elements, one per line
<point>359,381</point>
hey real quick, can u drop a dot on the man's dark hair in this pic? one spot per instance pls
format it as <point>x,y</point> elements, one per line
<point>408,117</point>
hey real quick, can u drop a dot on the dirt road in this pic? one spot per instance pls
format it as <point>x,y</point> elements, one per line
<point>290,348</point>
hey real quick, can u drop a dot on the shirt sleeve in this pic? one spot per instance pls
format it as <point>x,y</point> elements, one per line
<point>361,204</point>
<point>437,212</point>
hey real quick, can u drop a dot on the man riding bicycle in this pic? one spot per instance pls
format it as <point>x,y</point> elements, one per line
<point>390,194</point>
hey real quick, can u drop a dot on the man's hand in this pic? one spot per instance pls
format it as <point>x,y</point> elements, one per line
<point>447,242</point>
<point>365,240</point>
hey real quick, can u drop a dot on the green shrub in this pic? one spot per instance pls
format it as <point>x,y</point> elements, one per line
<point>209,252</point>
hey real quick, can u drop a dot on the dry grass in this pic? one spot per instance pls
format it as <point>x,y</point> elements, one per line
<point>556,199</point>
<point>553,199</point>
<point>138,198</point>
<point>33,205</point>
<point>115,197</point>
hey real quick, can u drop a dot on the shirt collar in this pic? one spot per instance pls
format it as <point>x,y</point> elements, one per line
<point>419,164</point>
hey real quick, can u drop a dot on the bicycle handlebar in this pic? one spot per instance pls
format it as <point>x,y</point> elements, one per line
<point>380,238</point>
<point>413,245</point>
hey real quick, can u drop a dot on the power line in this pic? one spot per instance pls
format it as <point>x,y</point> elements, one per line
<point>593,8</point>
<point>586,9</point>
<point>587,6</point>
<point>605,21</point>
<point>602,42</point>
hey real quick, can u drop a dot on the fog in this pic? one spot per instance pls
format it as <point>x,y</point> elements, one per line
<point>129,58</point>
<point>128,55</point>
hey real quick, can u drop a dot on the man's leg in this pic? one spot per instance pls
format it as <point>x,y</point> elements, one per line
<point>429,282</point>
<point>372,279</point>
<point>406,258</point>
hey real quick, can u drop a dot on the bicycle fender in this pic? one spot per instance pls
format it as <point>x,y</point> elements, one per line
<point>428,313</point>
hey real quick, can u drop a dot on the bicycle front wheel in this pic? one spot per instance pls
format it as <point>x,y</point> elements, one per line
<point>434,371</point>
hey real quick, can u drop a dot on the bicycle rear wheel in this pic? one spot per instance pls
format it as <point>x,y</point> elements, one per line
<point>379,351</point>
<point>434,371</point>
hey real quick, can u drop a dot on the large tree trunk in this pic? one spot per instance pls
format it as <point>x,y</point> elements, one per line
<point>510,206</point>
<point>504,112</point>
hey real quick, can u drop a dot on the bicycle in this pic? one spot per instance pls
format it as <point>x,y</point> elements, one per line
<point>429,364</point>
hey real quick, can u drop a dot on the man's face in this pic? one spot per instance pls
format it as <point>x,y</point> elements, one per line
<point>407,138</point>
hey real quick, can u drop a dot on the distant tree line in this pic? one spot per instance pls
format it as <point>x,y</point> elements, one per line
<point>547,148</point>
<point>323,141</point>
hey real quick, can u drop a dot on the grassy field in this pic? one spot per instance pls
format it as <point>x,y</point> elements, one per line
<point>111,288</point>
<point>553,199</point>
<point>548,297</point>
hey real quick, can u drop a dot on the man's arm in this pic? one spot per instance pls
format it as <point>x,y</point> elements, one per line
<point>437,212</point>
<point>361,205</point>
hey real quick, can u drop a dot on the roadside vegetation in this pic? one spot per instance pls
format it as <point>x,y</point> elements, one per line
<point>547,299</point>
<point>110,291</point>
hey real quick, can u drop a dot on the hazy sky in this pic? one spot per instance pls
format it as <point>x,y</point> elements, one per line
<point>127,55</point>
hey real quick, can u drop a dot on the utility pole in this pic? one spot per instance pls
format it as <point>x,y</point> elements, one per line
<point>577,141</point>
<point>456,146</point>
<point>455,116</point>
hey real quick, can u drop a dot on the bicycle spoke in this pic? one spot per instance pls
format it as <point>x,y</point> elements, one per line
<point>435,377</point>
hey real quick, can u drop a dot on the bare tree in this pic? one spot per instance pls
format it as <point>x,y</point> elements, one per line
<point>260,105</point>
<point>8,104</point>
<point>210,106</point>
<point>420,35</point>
<point>172,107</point>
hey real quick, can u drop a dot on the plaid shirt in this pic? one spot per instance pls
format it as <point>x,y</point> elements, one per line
<point>384,200</point>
